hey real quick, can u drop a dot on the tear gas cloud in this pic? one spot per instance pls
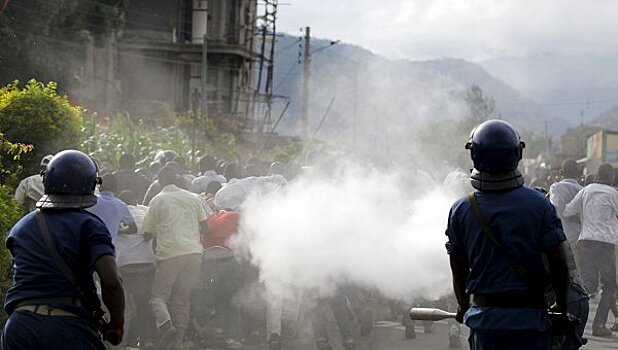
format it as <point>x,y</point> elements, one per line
<point>375,229</point>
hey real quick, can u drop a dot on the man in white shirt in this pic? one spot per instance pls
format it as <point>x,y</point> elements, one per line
<point>176,219</point>
<point>562,193</point>
<point>30,189</point>
<point>597,207</point>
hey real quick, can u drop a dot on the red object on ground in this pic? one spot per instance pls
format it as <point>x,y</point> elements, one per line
<point>3,4</point>
<point>221,227</point>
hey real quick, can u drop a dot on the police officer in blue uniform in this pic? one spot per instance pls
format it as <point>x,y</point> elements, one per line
<point>503,307</point>
<point>53,302</point>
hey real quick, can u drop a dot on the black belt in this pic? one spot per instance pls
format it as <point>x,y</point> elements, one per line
<point>509,300</point>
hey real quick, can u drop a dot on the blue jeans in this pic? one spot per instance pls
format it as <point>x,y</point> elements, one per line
<point>509,340</point>
<point>599,261</point>
<point>26,330</point>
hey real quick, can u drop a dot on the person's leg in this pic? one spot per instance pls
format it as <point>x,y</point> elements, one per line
<point>166,273</point>
<point>607,269</point>
<point>318,325</point>
<point>340,305</point>
<point>587,267</point>
<point>29,331</point>
<point>144,323</point>
<point>22,331</point>
<point>180,300</point>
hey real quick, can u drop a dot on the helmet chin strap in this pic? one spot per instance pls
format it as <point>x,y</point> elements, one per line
<point>496,182</point>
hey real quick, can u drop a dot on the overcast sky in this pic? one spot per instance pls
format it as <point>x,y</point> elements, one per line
<point>472,29</point>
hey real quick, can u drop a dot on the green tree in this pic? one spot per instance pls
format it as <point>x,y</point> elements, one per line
<point>10,213</point>
<point>36,115</point>
<point>10,210</point>
<point>481,106</point>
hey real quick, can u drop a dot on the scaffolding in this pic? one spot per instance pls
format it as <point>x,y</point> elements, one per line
<point>266,35</point>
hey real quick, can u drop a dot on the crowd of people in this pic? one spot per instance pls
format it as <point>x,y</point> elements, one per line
<point>183,280</point>
<point>171,235</point>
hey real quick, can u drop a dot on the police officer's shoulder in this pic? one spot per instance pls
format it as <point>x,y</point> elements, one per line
<point>459,204</point>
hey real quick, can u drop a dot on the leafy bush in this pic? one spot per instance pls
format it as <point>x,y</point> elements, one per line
<point>10,213</point>
<point>10,153</point>
<point>38,116</point>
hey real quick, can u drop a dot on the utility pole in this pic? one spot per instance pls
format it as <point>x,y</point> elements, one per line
<point>204,111</point>
<point>547,144</point>
<point>355,110</point>
<point>306,76</point>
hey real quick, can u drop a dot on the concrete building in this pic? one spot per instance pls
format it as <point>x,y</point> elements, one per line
<point>160,55</point>
<point>155,64</point>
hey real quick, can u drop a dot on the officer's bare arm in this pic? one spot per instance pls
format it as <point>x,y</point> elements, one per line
<point>113,295</point>
<point>559,274</point>
<point>460,271</point>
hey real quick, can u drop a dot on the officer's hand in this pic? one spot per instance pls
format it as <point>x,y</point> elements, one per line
<point>461,311</point>
<point>113,335</point>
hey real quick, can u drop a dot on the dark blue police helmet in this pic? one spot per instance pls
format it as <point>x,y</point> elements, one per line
<point>69,180</point>
<point>495,147</point>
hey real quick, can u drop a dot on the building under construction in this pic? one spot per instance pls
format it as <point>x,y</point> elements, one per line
<point>158,62</point>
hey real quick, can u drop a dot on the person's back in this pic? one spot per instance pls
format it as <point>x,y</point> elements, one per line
<point>128,179</point>
<point>55,251</point>
<point>519,220</point>
<point>597,209</point>
<point>496,238</point>
<point>174,214</point>
<point>38,275</point>
<point>176,219</point>
<point>562,193</point>
<point>597,206</point>
<point>131,180</point>
<point>111,210</point>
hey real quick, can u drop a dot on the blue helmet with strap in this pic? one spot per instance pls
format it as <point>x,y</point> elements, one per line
<point>495,147</point>
<point>69,181</point>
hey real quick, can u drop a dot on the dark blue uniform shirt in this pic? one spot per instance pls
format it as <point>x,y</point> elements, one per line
<point>81,239</point>
<point>525,222</point>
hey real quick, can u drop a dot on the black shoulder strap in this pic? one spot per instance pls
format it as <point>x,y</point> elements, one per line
<point>51,248</point>
<point>476,210</point>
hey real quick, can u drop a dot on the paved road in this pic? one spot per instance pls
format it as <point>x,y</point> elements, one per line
<point>389,335</point>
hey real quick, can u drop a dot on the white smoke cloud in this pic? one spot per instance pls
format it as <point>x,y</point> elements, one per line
<point>370,228</point>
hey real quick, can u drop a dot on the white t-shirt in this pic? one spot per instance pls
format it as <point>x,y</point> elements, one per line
<point>560,194</point>
<point>133,248</point>
<point>597,207</point>
<point>173,217</point>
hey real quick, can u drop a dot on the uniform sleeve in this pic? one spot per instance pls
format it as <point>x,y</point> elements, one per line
<point>454,246</point>
<point>552,233</point>
<point>575,206</point>
<point>98,242</point>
